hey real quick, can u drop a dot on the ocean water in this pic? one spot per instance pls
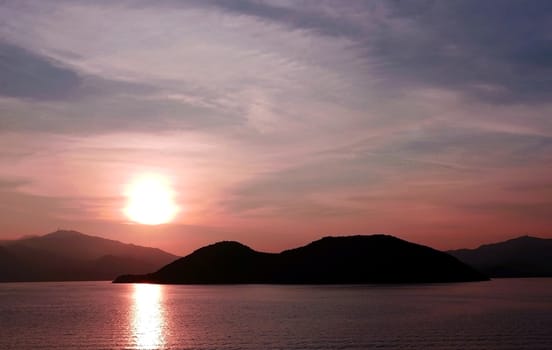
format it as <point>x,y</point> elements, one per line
<point>500,314</point>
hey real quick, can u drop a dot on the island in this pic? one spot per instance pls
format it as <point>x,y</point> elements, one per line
<point>331,260</point>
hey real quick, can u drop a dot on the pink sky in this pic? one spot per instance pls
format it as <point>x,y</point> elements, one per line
<point>276,123</point>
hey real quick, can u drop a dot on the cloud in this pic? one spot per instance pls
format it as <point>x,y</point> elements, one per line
<point>12,183</point>
<point>436,166</point>
<point>109,114</point>
<point>537,211</point>
<point>326,184</point>
<point>296,16</point>
<point>42,97</point>
<point>202,74</point>
<point>470,148</point>
<point>27,75</point>
<point>494,51</point>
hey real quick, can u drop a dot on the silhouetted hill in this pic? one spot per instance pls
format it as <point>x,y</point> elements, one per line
<point>71,255</point>
<point>353,259</point>
<point>520,257</point>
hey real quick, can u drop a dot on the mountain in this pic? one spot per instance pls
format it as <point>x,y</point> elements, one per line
<point>72,256</point>
<point>519,257</point>
<point>343,260</point>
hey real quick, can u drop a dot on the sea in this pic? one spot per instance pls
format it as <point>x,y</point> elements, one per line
<point>498,314</point>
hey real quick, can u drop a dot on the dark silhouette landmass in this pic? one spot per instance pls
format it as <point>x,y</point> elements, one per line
<point>520,257</point>
<point>330,260</point>
<point>73,256</point>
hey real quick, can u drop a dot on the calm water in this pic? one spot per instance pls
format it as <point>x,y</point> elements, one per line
<point>501,314</point>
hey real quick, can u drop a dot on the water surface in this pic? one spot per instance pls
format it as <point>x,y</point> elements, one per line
<point>500,314</point>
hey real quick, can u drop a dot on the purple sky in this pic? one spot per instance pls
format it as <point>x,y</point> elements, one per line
<point>278,122</point>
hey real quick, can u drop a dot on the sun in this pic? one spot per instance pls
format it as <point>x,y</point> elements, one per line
<point>150,200</point>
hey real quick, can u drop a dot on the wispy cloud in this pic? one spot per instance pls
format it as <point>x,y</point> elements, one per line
<point>25,74</point>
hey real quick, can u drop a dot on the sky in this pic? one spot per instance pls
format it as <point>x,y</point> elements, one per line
<point>278,122</point>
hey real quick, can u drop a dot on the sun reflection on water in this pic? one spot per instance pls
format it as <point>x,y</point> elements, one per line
<point>148,322</point>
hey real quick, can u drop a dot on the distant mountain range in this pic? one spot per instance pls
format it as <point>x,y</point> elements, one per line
<point>520,257</point>
<point>72,256</point>
<point>339,260</point>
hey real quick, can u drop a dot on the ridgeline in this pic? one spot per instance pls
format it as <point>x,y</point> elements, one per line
<point>330,260</point>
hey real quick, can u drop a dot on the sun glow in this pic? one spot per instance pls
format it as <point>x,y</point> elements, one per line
<point>150,200</point>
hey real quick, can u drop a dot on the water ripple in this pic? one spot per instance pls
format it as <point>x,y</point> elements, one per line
<point>501,314</point>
